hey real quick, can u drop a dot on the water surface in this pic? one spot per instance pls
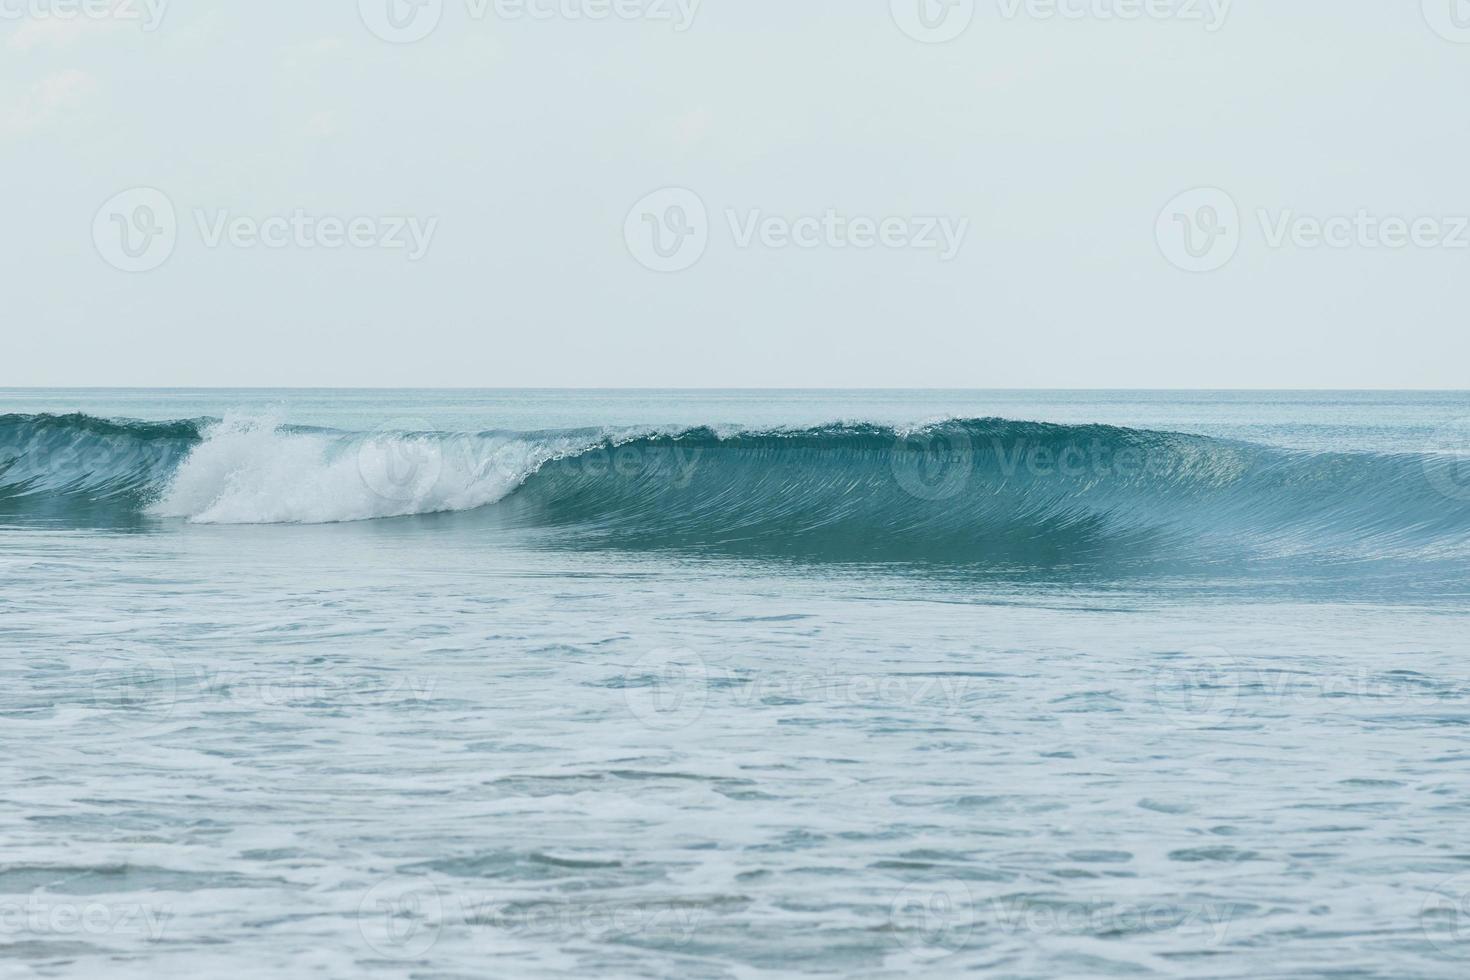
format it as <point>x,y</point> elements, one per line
<point>733,684</point>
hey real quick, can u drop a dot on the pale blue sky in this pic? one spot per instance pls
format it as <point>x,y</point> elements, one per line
<point>520,147</point>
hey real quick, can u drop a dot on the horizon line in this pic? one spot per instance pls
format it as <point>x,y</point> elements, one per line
<point>716,388</point>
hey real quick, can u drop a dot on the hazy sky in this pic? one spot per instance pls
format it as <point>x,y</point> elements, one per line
<point>476,193</point>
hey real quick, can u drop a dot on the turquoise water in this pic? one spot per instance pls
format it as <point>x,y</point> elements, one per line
<point>734,683</point>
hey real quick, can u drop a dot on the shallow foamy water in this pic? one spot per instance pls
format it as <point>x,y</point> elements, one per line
<point>463,745</point>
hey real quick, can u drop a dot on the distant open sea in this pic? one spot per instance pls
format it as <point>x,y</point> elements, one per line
<point>734,684</point>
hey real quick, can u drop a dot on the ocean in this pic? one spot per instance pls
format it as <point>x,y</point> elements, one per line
<point>734,683</point>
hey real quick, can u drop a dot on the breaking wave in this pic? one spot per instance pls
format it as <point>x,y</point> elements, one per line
<point>983,490</point>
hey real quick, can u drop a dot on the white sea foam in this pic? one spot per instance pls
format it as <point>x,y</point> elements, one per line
<point>251,471</point>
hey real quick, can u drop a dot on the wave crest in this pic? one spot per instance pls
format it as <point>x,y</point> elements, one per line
<point>981,490</point>
<point>252,471</point>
